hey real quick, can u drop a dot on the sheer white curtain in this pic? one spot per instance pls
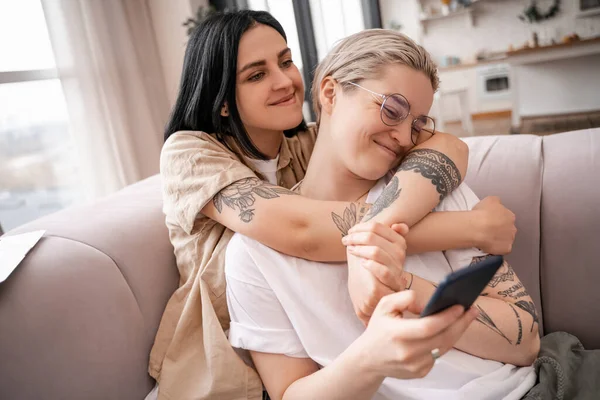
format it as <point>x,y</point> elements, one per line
<point>110,70</point>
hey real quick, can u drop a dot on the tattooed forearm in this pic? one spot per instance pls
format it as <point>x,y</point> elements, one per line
<point>435,166</point>
<point>529,307</point>
<point>387,197</point>
<point>241,195</point>
<point>515,291</point>
<point>520,337</point>
<point>352,214</point>
<point>505,273</point>
<point>486,320</point>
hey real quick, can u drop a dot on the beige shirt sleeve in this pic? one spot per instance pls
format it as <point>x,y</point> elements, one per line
<point>195,166</point>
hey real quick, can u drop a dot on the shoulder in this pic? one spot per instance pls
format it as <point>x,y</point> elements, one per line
<point>302,144</point>
<point>199,155</point>
<point>184,142</point>
<point>308,136</point>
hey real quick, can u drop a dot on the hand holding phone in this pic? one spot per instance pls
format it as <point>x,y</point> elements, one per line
<point>463,286</point>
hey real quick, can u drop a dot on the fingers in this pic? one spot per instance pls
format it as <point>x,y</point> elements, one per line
<point>393,278</point>
<point>428,327</point>
<point>365,311</point>
<point>492,199</point>
<point>402,229</point>
<point>378,229</point>
<point>445,339</point>
<point>396,303</point>
<point>379,254</point>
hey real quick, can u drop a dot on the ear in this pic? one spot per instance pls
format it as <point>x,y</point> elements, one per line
<point>224,110</point>
<point>327,94</point>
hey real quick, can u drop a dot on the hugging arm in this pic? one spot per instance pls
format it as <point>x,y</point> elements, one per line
<point>312,229</point>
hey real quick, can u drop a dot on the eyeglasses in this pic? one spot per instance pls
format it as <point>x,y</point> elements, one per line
<point>395,108</point>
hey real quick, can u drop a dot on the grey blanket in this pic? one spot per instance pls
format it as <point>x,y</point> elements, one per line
<point>566,370</point>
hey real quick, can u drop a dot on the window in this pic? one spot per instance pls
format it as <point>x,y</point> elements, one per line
<point>329,30</point>
<point>38,169</point>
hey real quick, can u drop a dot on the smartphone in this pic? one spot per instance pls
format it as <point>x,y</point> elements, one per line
<point>463,286</point>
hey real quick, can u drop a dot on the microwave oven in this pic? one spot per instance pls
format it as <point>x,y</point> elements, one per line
<point>493,82</point>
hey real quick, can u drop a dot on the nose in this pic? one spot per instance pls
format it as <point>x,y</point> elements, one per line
<point>281,80</point>
<point>402,132</point>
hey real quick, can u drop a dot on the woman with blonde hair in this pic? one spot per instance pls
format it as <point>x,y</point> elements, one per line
<point>372,94</point>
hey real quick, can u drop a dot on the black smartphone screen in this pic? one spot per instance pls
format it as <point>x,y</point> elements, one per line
<point>463,286</point>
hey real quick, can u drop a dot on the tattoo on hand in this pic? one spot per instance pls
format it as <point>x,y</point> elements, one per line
<point>504,274</point>
<point>433,165</point>
<point>520,337</point>
<point>240,196</point>
<point>486,320</point>
<point>528,307</point>
<point>387,197</point>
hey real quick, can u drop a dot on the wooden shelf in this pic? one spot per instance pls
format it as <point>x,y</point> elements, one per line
<point>468,12</point>
<point>541,49</point>
<point>449,15</point>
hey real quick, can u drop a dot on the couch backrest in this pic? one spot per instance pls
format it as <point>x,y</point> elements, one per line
<point>551,184</point>
<point>570,252</point>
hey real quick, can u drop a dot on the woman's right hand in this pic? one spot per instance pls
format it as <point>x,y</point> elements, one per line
<point>495,226</point>
<point>399,347</point>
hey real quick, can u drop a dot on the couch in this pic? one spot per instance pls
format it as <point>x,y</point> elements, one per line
<point>79,315</point>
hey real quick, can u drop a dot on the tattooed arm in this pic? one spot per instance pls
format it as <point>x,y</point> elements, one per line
<point>507,328</point>
<point>312,229</point>
<point>441,175</point>
<point>283,220</point>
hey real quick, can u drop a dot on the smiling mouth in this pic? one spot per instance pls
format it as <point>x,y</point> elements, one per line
<point>284,100</point>
<point>391,150</point>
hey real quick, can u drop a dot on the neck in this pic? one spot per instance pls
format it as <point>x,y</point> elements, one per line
<point>327,178</point>
<point>268,142</point>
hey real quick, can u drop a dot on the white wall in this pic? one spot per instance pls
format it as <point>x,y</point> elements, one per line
<point>171,38</point>
<point>496,26</point>
<point>404,12</point>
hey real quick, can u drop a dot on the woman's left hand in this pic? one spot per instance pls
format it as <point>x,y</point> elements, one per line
<point>376,256</point>
<point>382,250</point>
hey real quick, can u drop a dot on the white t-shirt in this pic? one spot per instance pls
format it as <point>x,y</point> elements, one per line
<point>266,167</point>
<point>286,305</point>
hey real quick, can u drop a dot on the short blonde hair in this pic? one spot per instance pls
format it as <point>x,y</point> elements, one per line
<point>364,54</point>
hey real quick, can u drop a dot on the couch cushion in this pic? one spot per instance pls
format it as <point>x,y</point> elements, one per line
<point>511,167</point>
<point>571,235</point>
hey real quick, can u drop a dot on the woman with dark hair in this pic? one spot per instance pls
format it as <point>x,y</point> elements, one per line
<point>236,143</point>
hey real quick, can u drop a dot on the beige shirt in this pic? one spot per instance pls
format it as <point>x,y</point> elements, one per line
<point>191,357</point>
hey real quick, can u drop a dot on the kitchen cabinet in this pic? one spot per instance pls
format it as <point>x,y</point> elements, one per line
<point>472,77</point>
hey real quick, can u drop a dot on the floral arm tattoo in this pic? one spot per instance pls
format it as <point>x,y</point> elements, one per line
<point>241,196</point>
<point>352,214</point>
